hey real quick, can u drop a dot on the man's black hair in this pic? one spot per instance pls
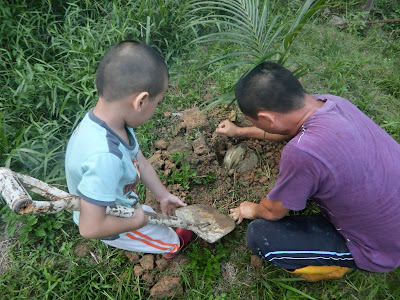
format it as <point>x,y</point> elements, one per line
<point>269,86</point>
<point>130,67</point>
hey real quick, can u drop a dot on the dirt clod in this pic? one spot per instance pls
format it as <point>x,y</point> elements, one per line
<point>256,261</point>
<point>148,278</point>
<point>162,264</point>
<point>82,249</point>
<point>157,161</point>
<point>133,257</point>
<point>138,270</point>
<point>167,286</point>
<point>179,145</point>
<point>200,146</point>
<point>161,144</point>
<point>195,119</point>
<point>147,262</point>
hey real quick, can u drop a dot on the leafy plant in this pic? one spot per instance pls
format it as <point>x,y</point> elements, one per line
<point>356,22</point>
<point>33,228</point>
<point>184,175</point>
<point>253,33</point>
<point>205,263</point>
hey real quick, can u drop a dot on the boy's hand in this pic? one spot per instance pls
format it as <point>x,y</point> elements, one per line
<point>227,128</point>
<point>169,203</point>
<point>140,216</point>
<point>246,210</point>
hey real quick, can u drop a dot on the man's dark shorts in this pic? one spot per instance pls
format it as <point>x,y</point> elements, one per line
<point>295,242</point>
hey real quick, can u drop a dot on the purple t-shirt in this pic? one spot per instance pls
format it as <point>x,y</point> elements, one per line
<point>351,168</point>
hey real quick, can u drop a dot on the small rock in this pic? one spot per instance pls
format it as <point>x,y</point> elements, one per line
<point>232,116</point>
<point>248,163</point>
<point>138,270</point>
<point>256,261</point>
<point>167,286</point>
<point>161,263</point>
<point>336,21</point>
<point>233,157</point>
<point>263,179</point>
<point>161,144</point>
<point>147,262</point>
<point>200,146</point>
<point>240,159</point>
<point>132,256</point>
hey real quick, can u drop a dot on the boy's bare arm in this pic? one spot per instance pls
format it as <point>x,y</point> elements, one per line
<point>94,223</point>
<point>229,129</point>
<point>149,177</point>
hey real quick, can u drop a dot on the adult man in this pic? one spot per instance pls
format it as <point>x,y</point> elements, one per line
<point>337,157</point>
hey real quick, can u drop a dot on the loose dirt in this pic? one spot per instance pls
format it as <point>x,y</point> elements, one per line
<point>220,172</point>
<point>195,134</point>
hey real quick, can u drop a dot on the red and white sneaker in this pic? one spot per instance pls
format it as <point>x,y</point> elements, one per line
<point>185,236</point>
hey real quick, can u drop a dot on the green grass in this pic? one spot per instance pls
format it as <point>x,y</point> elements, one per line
<point>48,58</point>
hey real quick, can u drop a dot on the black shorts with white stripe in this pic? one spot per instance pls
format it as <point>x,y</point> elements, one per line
<point>294,242</point>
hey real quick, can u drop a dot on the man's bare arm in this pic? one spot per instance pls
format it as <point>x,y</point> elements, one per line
<point>229,129</point>
<point>266,209</point>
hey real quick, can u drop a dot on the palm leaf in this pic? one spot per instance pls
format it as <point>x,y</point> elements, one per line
<point>242,19</point>
<point>254,32</point>
<point>305,13</point>
<point>227,98</point>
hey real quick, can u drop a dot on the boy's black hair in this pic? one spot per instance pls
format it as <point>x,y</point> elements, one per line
<point>269,86</point>
<point>130,67</point>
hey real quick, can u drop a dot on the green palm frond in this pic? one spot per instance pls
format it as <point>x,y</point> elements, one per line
<point>253,28</point>
<point>245,24</point>
<point>309,8</point>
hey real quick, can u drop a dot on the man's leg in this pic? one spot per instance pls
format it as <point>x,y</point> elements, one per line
<point>296,242</point>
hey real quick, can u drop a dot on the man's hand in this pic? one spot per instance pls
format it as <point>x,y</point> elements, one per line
<point>246,210</point>
<point>169,203</point>
<point>227,128</point>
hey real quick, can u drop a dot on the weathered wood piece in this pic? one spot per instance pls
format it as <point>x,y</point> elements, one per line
<point>207,222</point>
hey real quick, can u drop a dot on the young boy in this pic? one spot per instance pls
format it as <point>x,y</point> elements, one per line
<point>103,160</point>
